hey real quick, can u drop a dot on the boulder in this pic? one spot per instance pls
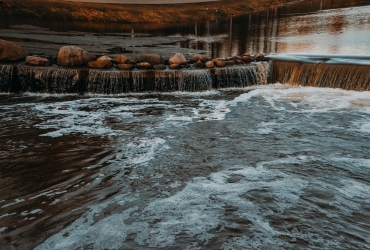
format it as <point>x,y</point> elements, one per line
<point>259,57</point>
<point>178,59</point>
<point>159,67</point>
<point>100,64</point>
<point>143,65</point>
<point>218,62</point>
<point>201,57</point>
<point>153,59</point>
<point>125,66</point>
<point>10,51</point>
<point>175,66</point>
<point>73,56</point>
<point>121,59</point>
<point>246,58</point>
<point>37,61</point>
<point>210,64</point>
<point>104,58</point>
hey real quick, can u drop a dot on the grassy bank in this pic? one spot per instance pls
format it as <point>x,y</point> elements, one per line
<point>99,12</point>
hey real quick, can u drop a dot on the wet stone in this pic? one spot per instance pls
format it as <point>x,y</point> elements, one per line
<point>10,51</point>
<point>143,65</point>
<point>121,59</point>
<point>159,67</point>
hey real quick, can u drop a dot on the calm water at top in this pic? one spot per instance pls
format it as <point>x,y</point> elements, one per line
<point>318,27</point>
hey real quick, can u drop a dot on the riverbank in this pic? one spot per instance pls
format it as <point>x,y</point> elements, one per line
<point>126,13</point>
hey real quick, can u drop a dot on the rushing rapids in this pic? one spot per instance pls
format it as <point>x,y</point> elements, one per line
<point>21,78</point>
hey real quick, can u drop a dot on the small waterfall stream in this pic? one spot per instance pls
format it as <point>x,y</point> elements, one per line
<point>344,76</point>
<point>22,78</point>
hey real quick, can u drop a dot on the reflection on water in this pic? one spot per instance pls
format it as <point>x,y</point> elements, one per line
<point>318,26</point>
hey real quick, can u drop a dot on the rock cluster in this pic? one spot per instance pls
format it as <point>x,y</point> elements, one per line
<point>72,56</point>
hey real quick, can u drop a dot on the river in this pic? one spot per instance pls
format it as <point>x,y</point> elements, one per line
<point>267,167</point>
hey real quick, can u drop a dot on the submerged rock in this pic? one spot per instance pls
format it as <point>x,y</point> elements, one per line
<point>153,59</point>
<point>125,66</point>
<point>178,59</point>
<point>73,56</point>
<point>10,51</point>
<point>37,61</point>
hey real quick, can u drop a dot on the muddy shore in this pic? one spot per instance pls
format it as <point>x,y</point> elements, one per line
<point>126,13</point>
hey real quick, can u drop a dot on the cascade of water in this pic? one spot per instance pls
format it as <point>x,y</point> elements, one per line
<point>350,77</point>
<point>6,77</point>
<point>47,80</point>
<point>109,82</point>
<point>237,76</point>
<point>263,70</point>
<point>61,80</point>
<point>193,80</point>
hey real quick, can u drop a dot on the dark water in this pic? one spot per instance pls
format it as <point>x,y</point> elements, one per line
<point>272,167</point>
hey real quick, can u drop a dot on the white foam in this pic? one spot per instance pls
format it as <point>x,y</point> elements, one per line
<point>194,211</point>
<point>2,229</point>
<point>16,202</point>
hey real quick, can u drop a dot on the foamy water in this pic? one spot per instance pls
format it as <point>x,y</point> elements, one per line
<point>270,167</point>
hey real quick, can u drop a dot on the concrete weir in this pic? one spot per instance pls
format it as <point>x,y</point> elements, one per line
<point>54,79</point>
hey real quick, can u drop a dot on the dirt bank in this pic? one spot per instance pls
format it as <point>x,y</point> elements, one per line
<point>125,13</point>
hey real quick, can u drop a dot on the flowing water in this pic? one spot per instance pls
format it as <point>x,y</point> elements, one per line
<point>272,166</point>
<point>86,163</point>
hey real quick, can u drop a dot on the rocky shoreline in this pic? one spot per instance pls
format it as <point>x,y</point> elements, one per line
<point>100,12</point>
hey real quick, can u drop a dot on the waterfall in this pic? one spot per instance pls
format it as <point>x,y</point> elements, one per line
<point>6,78</point>
<point>23,78</point>
<point>47,80</point>
<point>108,82</point>
<point>350,77</point>
<point>242,76</point>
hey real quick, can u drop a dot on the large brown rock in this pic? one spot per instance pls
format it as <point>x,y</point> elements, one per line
<point>121,59</point>
<point>73,56</point>
<point>246,58</point>
<point>153,59</point>
<point>178,59</point>
<point>201,57</point>
<point>100,64</point>
<point>37,61</point>
<point>175,66</point>
<point>10,51</point>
